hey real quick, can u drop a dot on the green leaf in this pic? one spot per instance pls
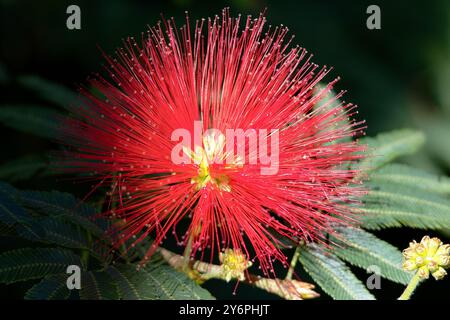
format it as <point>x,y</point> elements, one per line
<point>98,286</point>
<point>7,189</point>
<point>126,286</point>
<point>10,212</point>
<point>15,217</point>
<point>332,275</point>
<point>64,234</point>
<point>58,218</point>
<point>36,120</point>
<point>59,232</point>
<point>53,287</point>
<point>65,206</point>
<point>437,130</point>
<point>405,175</point>
<point>390,204</point>
<point>327,104</point>
<point>364,250</point>
<point>25,168</point>
<point>48,90</point>
<point>156,282</point>
<point>34,263</point>
<point>386,147</point>
<point>6,230</point>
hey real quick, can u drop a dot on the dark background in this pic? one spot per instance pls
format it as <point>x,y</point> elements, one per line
<point>399,75</point>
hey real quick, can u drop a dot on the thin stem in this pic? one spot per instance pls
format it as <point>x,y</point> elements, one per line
<point>293,263</point>
<point>287,289</point>
<point>187,253</point>
<point>85,252</point>
<point>412,285</point>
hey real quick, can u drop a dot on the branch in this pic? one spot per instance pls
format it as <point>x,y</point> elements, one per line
<point>202,271</point>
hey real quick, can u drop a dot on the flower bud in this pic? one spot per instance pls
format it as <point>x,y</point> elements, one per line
<point>443,260</point>
<point>234,263</point>
<point>409,265</point>
<point>423,272</point>
<point>439,273</point>
<point>421,249</point>
<point>433,245</point>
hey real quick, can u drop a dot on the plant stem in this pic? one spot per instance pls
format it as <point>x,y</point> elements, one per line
<point>287,289</point>
<point>412,285</point>
<point>85,252</point>
<point>187,254</point>
<point>293,263</point>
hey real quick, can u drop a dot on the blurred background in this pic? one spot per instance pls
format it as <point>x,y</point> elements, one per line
<point>399,76</point>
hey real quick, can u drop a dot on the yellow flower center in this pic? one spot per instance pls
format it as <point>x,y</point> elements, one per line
<point>428,256</point>
<point>234,263</point>
<point>212,151</point>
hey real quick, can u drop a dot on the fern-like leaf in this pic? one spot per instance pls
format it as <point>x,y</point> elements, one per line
<point>6,231</point>
<point>24,168</point>
<point>64,205</point>
<point>388,146</point>
<point>332,275</point>
<point>36,120</point>
<point>390,204</point>
<point>155,282</point>
<point>57,231</point>
<point>53,287</point>
<point>406,175</point>
<point>48,90</point>
<point>34,263</point>
<point>12,213</point>
<point>364,250</point>
<point>98,285</point>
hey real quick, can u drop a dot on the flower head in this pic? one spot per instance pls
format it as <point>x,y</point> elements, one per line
<point>225,74</point>
<point>428,256</point>
<point>233,264</point>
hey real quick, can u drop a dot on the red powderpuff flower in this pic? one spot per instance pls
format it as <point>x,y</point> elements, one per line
<point>224,76</point>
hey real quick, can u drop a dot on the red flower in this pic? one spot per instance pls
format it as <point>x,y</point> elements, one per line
<point>221,76</point>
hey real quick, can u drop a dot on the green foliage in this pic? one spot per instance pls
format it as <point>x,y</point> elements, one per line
<point>391,204</point>
<point>66,206</point>
<point>332,275</point>
<point>363,249</point>
<point>48,90</point>
<point>400,195</point>
<point>36,120</point>
<point>25,168</point>
<point>58,231</point>
<point>57,218</point>
<point>6,230</point>
<point>387,147</point>
<point>437,130</point>
<point>98,285</point>
<point>408,176</point>
<point>155,282</point>
<point>53,287</point>
<point>11,212</point>
<point>34,263</point>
